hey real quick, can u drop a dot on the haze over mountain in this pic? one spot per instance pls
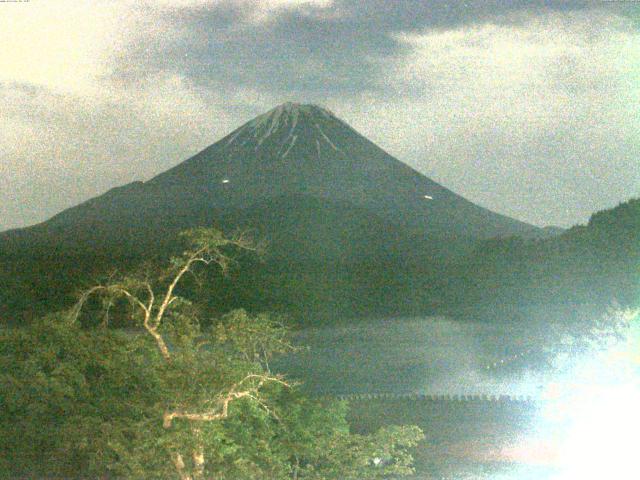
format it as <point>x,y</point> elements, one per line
<point>296,171</point>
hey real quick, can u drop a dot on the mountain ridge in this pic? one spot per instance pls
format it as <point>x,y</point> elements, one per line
<point>324,197</point>
<point>298,149</point>
<point>325,148</point>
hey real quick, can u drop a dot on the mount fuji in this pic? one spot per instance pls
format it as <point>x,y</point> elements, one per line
<point>280,167</point>
<point>307,182</point>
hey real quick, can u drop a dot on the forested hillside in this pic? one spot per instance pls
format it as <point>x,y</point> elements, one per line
<point>597,263</point>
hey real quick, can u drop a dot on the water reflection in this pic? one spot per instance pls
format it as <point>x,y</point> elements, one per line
<point>581,423</point>
<point>419,355</point>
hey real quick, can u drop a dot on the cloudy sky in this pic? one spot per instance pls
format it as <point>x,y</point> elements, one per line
<point>531,109</point>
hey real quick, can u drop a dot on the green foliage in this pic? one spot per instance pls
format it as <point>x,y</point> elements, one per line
<point>257,338</point>
<point>65,393</point>
<point>88,402</point>
<point>204,238</point>
<point>318,440</point>
<point>85,400</point>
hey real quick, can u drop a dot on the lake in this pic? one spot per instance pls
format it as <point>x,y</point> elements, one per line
<point>436,356</point>
<point>432,355</point>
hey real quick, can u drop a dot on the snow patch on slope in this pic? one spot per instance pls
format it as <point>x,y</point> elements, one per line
<point>289,116</point>
<point>293,142</point>
<point>326,138</point>
<point>234,136</point>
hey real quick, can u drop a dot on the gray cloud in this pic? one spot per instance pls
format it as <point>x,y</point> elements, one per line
<point>528,108</point>
<point>337,50</point>
<point>292,54</point>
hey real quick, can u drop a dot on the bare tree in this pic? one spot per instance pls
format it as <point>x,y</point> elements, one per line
<point>153,303</point>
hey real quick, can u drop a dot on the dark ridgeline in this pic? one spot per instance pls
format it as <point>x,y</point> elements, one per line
<point>596,265</point>
<point>326,199</point>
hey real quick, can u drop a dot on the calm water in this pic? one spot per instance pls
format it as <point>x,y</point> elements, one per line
<point>434,355</point>
<point>422,355</point>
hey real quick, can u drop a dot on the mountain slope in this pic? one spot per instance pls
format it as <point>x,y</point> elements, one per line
<point>597,263</point>
<point>292,151</point>
<point>304,149</point>
<point>316,189</point>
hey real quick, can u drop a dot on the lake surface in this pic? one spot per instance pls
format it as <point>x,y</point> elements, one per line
<point>582,417</point>
<point>432,355</point>
<point>441,356</point>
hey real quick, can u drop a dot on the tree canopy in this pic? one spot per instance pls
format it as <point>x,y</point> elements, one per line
<point>169,397</point>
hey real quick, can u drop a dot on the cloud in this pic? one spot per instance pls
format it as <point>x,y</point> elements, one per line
<point>64,45</point>
<point>306,48</point>
<point>529,110</point>
<point>538,121</point>
<point>69,131</point>
<point>60,149</point>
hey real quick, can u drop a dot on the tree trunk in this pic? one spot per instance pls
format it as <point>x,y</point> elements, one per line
<point>198,454</point>
<point>198,463</point>
<point>180,467</point>
<point>296,467</point>
<point>162,346</point>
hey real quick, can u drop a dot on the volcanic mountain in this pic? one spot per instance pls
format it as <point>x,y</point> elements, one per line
<point>299,176</point>
<point>280,170</point>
